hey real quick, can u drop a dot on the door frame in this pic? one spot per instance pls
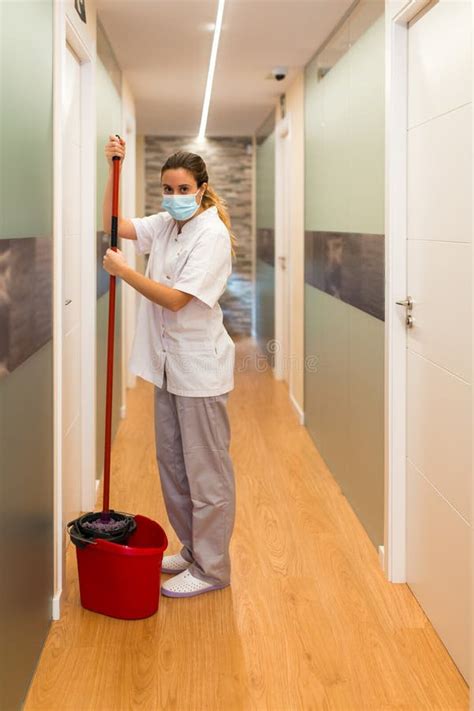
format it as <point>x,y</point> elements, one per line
<point>282,345</point>
<point>398,13</point>
<point>65,30</point>
<point>128,202</point>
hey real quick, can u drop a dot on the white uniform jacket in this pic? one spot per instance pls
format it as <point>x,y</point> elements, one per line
<point>198,351</point>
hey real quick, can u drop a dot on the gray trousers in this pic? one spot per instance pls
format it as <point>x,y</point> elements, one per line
<point>192,436</point>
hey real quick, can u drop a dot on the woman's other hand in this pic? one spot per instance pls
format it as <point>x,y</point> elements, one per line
<point>114,147</point>
<point>114,262</point>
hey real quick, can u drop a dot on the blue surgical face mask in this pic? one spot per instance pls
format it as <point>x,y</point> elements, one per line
<point>181,207</point>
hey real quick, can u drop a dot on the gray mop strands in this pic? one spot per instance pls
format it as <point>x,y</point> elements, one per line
<point>100,526</point>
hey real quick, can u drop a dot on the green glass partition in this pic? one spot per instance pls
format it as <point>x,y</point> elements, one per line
<point>265,253</point>
<point>26,349</point>
<point>344,260</point>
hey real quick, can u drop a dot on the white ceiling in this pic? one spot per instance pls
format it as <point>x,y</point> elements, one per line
<point>163,47</point>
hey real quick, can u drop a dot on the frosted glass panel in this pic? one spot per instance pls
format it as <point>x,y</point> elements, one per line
<point>266,183</point>
<point>26,100</point>
<point>26,348</point>
<point>344,258</point>
<point>265,247</point>
<point>344,128</point>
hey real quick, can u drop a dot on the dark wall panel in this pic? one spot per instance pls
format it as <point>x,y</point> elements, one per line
<point>349,266</point>
<point>26,313</point>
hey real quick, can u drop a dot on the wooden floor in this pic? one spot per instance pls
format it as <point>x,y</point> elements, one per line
<point>309,622</point>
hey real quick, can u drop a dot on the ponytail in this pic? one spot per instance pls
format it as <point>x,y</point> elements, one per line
<point>212,199</point>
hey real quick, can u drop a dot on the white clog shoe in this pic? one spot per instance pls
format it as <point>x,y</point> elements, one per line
<point>186,585</point>
<point>174,563</point>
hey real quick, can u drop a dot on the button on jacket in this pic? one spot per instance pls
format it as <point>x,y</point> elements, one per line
<point>193,342</point>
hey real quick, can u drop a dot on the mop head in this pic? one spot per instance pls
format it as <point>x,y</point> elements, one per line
<point>110,526</point>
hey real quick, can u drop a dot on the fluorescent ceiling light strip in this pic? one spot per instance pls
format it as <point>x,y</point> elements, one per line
<point>210,74</point>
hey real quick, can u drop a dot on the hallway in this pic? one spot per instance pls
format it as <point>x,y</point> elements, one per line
<point>309,622</point>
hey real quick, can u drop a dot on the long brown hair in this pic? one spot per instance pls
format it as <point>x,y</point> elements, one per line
<point>197,167</point>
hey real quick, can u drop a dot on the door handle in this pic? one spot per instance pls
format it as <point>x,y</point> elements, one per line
<point>67,302</point>
<point>282,261</point>
<point>408,304</point>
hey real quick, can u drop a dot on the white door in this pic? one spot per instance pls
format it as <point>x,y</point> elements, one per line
<point>71,435</point>
<point>438,397</point>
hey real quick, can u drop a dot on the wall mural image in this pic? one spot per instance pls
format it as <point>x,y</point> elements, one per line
<point>25,299</point>
<point>349,266</point>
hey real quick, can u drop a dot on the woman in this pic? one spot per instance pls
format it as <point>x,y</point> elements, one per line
<point>183,348</point>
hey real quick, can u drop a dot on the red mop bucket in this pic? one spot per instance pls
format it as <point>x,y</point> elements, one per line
<point>123,580</point>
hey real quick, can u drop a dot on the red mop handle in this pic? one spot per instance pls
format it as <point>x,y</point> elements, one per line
<point>110,340</point>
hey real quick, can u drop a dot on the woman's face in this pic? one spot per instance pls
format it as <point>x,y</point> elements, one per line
<point>180,181</point>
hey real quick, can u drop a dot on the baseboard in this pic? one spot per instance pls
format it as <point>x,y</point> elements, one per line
<point>56,606</point>
<point>123,412</point>
<point>298,409</point>
<point>382,557</point>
